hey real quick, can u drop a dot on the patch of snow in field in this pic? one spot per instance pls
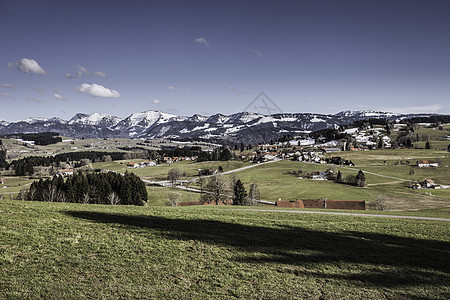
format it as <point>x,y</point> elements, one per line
<point>306,142</point>
<point>351,130</point>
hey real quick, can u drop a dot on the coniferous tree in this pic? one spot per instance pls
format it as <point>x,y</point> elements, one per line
<point>3,162</point>
<point>103,188</point>
<point>360,179</point>
<point>339,176</point>
<point>240,194</point>
<point>225,155</point>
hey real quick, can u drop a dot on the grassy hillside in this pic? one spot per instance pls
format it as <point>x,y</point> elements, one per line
<point>70,251</point>
<point>159,172</point>
<point>275,182</point>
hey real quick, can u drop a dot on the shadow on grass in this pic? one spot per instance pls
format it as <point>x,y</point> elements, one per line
<point>368,258</point>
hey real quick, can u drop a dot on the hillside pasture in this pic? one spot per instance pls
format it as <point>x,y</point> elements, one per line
<point>74,251</point>
<point>275,182</point>
<point>159,172</point>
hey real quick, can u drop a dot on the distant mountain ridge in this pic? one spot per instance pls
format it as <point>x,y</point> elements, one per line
<point>244,127</point>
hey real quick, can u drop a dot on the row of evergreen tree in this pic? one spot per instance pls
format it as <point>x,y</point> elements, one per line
<point>222,154</point>
<point>42,138</point>
<point>3,163</point>
<point>24,166</point>
<point>92,188</point>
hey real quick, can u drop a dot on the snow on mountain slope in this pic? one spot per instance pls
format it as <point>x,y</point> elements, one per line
<point>239,127</point>
<point>95,119</point>
<point>33,120</point>
<point>364,113</point>
<point>146,118</point>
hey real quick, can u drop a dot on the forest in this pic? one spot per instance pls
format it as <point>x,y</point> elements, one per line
<point>93,188</point>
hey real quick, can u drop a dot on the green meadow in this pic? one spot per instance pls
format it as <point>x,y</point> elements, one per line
<point>159,172</point>
<point>73,251</point>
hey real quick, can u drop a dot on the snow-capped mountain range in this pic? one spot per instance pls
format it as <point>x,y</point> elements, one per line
<point>244,127</point>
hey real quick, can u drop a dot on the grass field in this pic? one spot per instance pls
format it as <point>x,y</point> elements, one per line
<point>159,172</point>
<point>275,182</point>
<point>73,251</point>
<point>158,195</point>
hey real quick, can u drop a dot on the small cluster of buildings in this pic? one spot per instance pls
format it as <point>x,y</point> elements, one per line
<point>162,160</point>
<point>427,163</point>
<point>144,164</point>
<point>426,184</point>
<point>64,172</point>
<point>170,160</point>
<point>303,154</point>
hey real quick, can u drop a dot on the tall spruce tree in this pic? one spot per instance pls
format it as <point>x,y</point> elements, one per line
<point>339,176</point>
<point>360,179</point>
<point>240,194</point>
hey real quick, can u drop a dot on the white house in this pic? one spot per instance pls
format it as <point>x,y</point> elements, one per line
<point>427,163</point>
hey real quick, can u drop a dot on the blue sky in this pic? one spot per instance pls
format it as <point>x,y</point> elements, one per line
<point>58,58</point>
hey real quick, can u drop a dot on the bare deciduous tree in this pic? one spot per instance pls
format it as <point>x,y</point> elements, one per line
<point>173,175</point>
<point>253,194</point>
<point>380,203</point>
<point>173,198</point>
<point>23,194</point>
<point>113,199</point>
<point>52,194</point>
<point>217,190</point>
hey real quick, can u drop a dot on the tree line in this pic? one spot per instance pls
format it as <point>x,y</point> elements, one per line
<point>42,139</point>
<point>24,166</point>
<point>3,163</point>
<point>94,188</point>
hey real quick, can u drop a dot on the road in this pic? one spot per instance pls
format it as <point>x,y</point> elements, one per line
<point>347,214</point>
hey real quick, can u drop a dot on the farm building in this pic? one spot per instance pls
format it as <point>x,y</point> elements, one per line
<point>427,163</point>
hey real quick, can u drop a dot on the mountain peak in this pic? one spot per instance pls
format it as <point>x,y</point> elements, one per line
<point>364,113</point>
<point>94,119</point>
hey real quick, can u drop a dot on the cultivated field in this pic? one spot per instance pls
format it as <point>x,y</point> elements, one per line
<point>73,251</point>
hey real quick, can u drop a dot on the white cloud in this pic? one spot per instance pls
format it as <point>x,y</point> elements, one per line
<point>81,69</point>
<point>202,41</point>
<point>78,72</point>
<point>59,97</point>
<point>5,95</point>
<point>434,108</point>
<point>98,90</point>
<point>100,74</point>
<point>258,53</point>
<point>8,85</point>
<point>171,87</point>
<point>156,101</point>
<point>28,65</point>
